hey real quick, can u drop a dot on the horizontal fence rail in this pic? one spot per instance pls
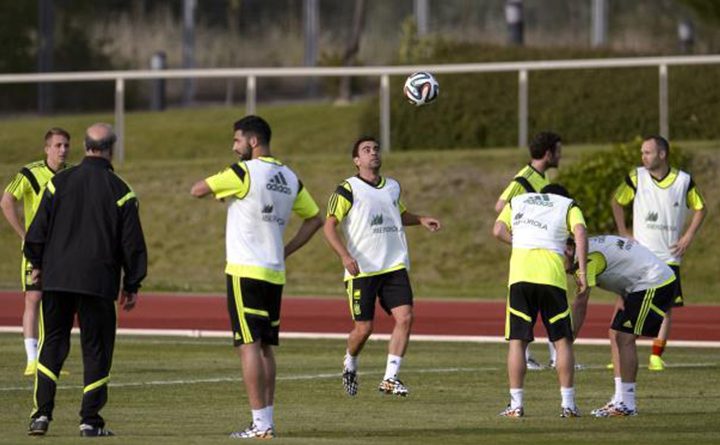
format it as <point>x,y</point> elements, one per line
<point>383,72</point>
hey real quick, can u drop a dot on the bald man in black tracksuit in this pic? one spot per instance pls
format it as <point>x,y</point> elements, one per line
<point>85,235</point>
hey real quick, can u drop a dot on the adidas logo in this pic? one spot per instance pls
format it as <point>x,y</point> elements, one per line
<point>651,217</point>
<point>278,184</point>
<point>628,324</point>
<point>267,208</point>
<point>539,200</point>
<point>376,220</point>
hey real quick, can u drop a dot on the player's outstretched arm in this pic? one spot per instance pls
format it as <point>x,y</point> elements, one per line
<point>9,209</point>
<point>306,231</point>
<point>337,245</point>
<point>430,223</point>
<point>200,189</point>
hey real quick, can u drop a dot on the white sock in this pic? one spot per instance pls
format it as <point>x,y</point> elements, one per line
<point>350,362</point>
<point>528,354</point>
<point>568,397</point>
<point>393,366</point>
<point>31,349</point>
<point>268,412</point>
<point>617,397</point>
<point>628,395</point>
<point>516,398</point>
<point>258,416</point>
<point>553,352</point>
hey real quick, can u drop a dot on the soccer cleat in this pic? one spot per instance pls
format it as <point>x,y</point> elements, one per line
<point>533,365</point>
<point>350,382</point>
<point>94,431</point>
<point>512,412</point>
<point>253,432</point>
<point>605,407</point>
<point>566,412</point>
<point>30,369</point>
<point>656,363</point>
<point>616,410</point>
<point>393,386</point>
<point>38,426</point>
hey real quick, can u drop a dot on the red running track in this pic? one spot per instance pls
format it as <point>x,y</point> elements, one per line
<point>331,315</point>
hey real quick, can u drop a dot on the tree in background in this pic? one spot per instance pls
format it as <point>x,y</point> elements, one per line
<point>351,49</point>
<point>707,10</point>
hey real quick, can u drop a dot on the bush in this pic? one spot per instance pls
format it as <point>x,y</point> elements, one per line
<point>594,178</point>
<point>608,105</point>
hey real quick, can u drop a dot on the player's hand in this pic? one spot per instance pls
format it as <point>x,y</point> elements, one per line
<point>351,265</point>
<point>128,300</point>
<point>581,283</point>
<point>430,223</point>
<point>36,276</point>
<point>680,246</point>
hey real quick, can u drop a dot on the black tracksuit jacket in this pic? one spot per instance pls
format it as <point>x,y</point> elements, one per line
<point>86,231</point>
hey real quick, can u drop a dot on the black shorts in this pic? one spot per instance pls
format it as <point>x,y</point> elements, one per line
<point>678,300</point>
<point>392,288</point>
<point>644,311</point>
<point>26,277</point>
<point>254,309</point>
<point>525,300</point>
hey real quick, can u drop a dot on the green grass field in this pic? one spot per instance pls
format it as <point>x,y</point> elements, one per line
<point>183,390</point>
<point>167,152</point>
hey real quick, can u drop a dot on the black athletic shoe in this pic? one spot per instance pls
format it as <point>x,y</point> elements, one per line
<point>94,431</point>
<point>350,382</point>
<point>38,426</point>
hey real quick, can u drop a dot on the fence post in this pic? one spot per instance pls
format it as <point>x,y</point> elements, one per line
<point>385,112</point>
<point>120,120</point>
<point>250,95</point>
<point>522,108</point>
<point>663,81</point>
<point>158,62</point>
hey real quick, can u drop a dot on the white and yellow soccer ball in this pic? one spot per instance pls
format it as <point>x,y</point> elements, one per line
<point>421,88</point>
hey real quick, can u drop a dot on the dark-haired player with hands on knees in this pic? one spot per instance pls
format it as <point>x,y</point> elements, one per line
<point>646,286</point>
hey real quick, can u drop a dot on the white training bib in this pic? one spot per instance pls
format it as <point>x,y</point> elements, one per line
<point>373,227</point>
<point>630,266</point>
<point>256,223</point>
<point>659,213</point>
<point>539,221</point>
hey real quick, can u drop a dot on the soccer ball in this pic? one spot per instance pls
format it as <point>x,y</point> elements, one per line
<point>421,88</point>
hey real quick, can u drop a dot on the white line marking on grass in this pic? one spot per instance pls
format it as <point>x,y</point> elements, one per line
<point>199,333</point>
<point>333,375</point>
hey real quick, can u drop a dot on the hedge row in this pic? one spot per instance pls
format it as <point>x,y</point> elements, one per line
<point>584,106</point>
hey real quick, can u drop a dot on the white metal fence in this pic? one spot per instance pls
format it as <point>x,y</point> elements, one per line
<point>383,72</point>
